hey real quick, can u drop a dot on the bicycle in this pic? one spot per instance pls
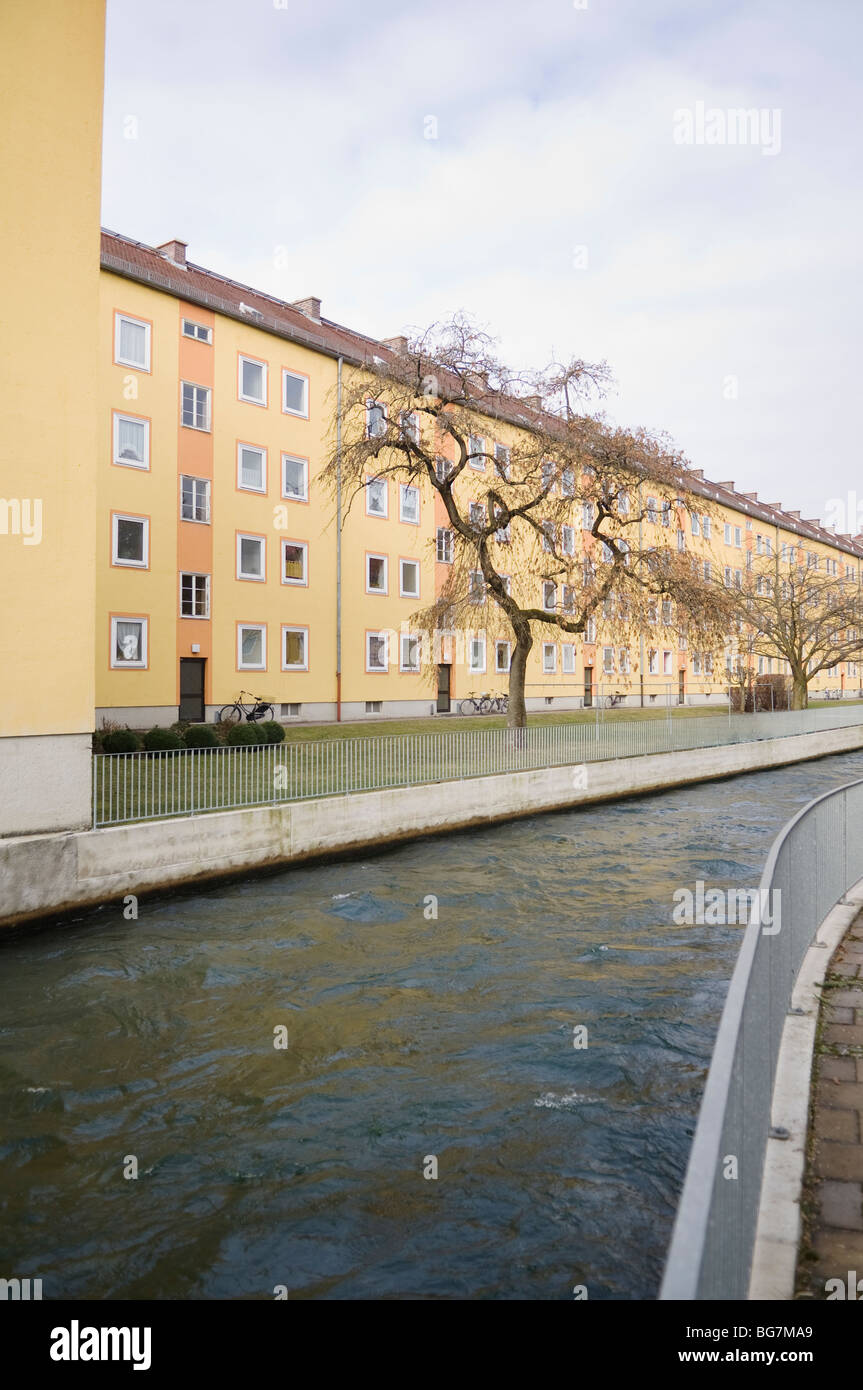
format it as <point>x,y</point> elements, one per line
<point>259,709</point>
<point>499,704</point>
<point>476,704</point>
<point>612,701</point>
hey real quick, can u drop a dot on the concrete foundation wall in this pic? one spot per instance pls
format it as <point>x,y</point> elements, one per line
<point>44,874</point>
<point>45,783</point>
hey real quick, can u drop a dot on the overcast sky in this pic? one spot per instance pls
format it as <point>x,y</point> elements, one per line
<point>289,144</point>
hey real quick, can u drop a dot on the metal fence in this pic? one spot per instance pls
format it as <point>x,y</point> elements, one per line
<point>817,857</point>
<point>146,786</point>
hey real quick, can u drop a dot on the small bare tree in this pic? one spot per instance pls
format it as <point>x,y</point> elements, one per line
<point>802,614</point>
<point>545,523</point>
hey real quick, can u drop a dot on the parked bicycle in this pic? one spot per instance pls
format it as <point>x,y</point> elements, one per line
<point>612,701</point>
<point>484,704</point>
<point>258,709</point>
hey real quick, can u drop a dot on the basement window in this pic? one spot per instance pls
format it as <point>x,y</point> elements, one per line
<point>374,706</point>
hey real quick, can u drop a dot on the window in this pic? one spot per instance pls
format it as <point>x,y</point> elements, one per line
<point>476,654</point>
<point>410,426</point>
<point>696,664</point>
<point>476,592</point>
<point>653,662</point>
<point>749,559</point>
<point>444,551</point>
<point>503,534</point>
<point>295,394</point>
<point>728,533</point>
<point>130,540</point>
<point>477,515</point>
<point>623,660</point>
<point>376,497</point>
<point>588,571</point>
<point>443,468</point>
<point>606,552</point>
<point>707,570</point>
<point>291,711</point>
<point>295,562</point>
<point>195,413</point>
<point>476,453</point>
<point>251,468</point>
<point>586,516</point>
<point>502,656</point>
<point>197,330</point>
<point>705,527</point>
<point>567,540</point>
<point>195,595</point>
<point>694,523</point>
<point>376,574</point>
<point>376,419</point>
<point>708,664</point>
<point>608,660</point>
<point>501,461</point>
<point>132,342</point>
<point>409,578</point>
<point>548,473</point>
<point>652,514</point>
<point>251,647</point>
<point>251,557</point>
<point>129,643</point>
<point>410,652</point>
<point>738,537</point>
<point>590,631</point>
<point>252,380</point>
<point>194,499</point>
<point>568,598</point>
<point>506,581</point>
<point>567,653</point>
<point>759,545</point>
<point>295,477</point>
<point>567,483</point>
<point>666,612</point>
<point>549,595</point>
<point>548,536</point>
<point>549,657</point>
<point>738,579</point>
<point>666,663</point>
<point>728,576</point>
<point>409,504</point>
<point>131,441</point>
<point>377,651</point>
<point>374,706</point>
<point>295,649</point>
<point>666,513</point>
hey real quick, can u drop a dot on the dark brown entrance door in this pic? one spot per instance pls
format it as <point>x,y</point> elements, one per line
<point>192,688</point>
<point>443,688</point>
<point>588,686</point>
<point>681,687</point>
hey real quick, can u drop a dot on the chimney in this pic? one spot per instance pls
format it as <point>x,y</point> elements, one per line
<point>697,473</point>
<point>750,496</point>
<point>729,487</point>
<point>535,402</point>
<point>795,515</point>
<point>174,251</point>
<point>398,345</point>
<point>311,307</point>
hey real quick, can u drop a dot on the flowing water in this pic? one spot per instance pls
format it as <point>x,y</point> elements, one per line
<point>409,1038</point>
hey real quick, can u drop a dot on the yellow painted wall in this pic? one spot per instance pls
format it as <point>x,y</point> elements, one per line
<point>51,79</point>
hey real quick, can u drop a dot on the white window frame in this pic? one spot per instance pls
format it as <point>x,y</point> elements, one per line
<point>502,461</point>
<point>304,547</point>
<point>253,449</point>
<point>381,482</point>
<point>477,587</point>
<point>404,638</point>
<point>498,647</point>
<point>476,445</point>
<point>208,398</point>
<point>403,592</point>
<point>205,482</point>
<point>666,664</point>
<point>251,627</point>
<point>144,366</point>
<point>195,574</point>
<point>261,541</point>
<point>144,523</point>
<point>374,555</point>
<point>608,661</point>
<point>549,658</point>
<point>444,531</point>
<point>384,637</point>
<point>476,643</point>
<point>372,405</point>
<point>567,658</point>
<point>243,357</point>
<point>141,663</point>
<point>567,540</point>
<point>117,416</point>
<point>294,496</point>
<point>288,410</point>
<point>200,328</point>
<point>546,584</point>
<point>653,661</point>
<point>293,627</point>
<point>405,488</point>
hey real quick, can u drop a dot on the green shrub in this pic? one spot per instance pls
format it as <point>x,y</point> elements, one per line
<point>244,733</point>
<point>181,725</point>
<point>162,740</point>
<point>200,736</point>
<point>272,730</point>
<point>120,741</point>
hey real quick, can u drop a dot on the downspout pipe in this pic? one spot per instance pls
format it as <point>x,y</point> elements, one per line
<point>339,541</point>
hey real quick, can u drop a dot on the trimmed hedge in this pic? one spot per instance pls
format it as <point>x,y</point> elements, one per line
<point>162,740</point>
<point>200,736</point>
<point>273,731</point>
<point>244,733</point>
<point>120,741</point>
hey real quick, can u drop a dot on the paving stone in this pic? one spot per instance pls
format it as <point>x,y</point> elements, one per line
<point>838,1125</point>
<point>846,998</point>
<point>842,1204</point>
<point>844,967</point>
<point>837,1069</point>
<point>838,1252</point>
<point>839,1015</point>
<point>848,1095</point>
<point>859,1067</point>
<point>843,1162</point>
<point>844,1033</point>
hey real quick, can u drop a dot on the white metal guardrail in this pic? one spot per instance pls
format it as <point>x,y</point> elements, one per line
<point>146,786</point>
<point>817,857</point>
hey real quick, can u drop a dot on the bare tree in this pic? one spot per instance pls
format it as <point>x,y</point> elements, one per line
<point>545,521</point>
<point>801,613</point>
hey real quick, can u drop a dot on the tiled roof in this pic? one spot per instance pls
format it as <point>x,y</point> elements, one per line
<point>198,285</point>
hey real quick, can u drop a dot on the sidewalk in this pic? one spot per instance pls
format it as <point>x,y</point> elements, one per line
<point>832,1199</point>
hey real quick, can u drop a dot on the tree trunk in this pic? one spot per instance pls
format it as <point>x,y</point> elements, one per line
<point>799,690</point>
<point>516,711</point>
